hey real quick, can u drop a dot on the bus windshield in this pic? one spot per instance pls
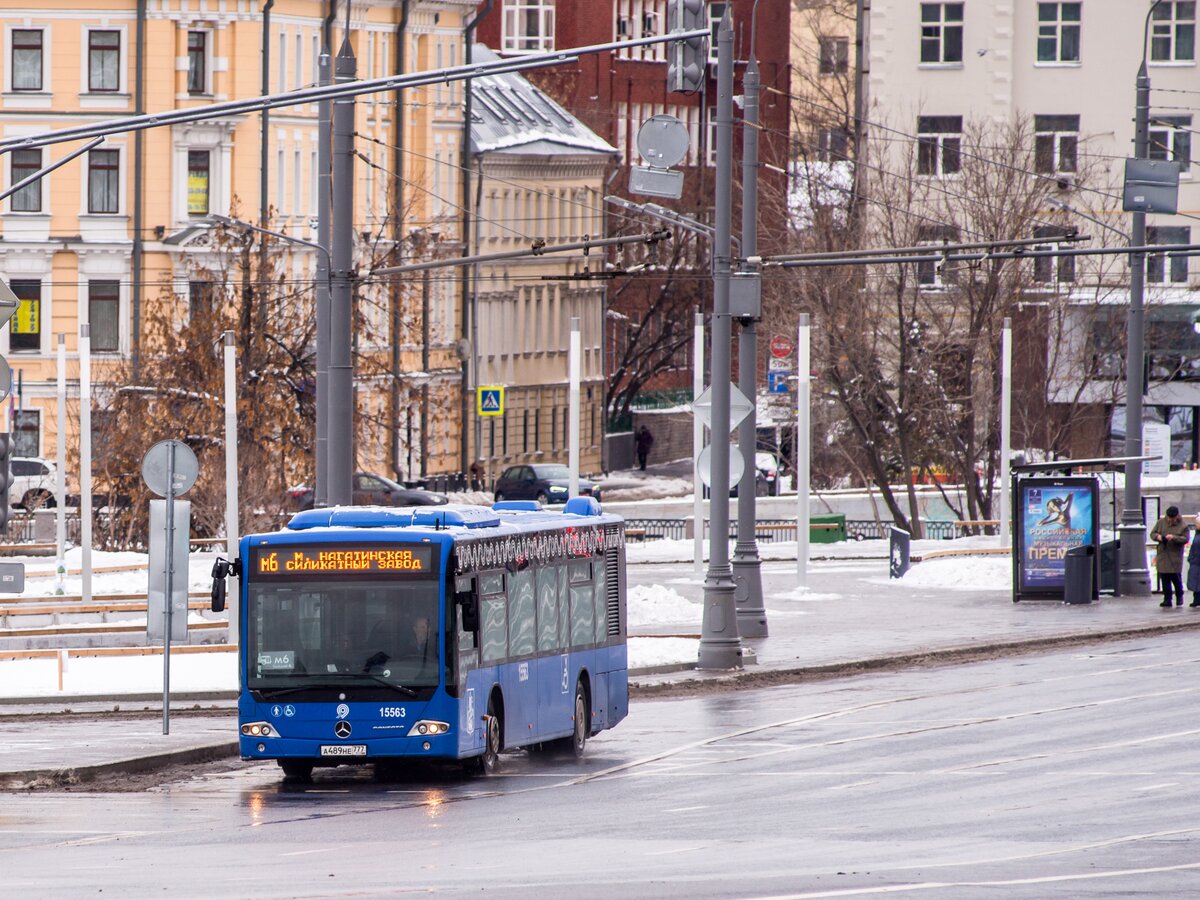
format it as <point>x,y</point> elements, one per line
<point>308,633</point>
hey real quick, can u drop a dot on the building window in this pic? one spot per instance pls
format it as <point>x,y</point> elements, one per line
<point>104,60</point>
<point>27,59</point>
<point>635,19</point>
<point>1056,144</point>
<point>200,300</point>
<point>24,164</point>
<point>716,12</point>
<point>939,142</point>
<point>1058,32</point>
<point>197,182</point>
<point>1051,269</point>
<point>103,181</point>
<point>833,144</point>
<point>1171,138</point>
<point>528,25</point>
<point>941,32</point>
<point>27,432</point>
<point>1163,269</point>
<point>197,62</point>
<point>835,56</point>
<point>104,304</point>
<point>932,274</point>
<point>25,328</point>
<point>1173,31</point>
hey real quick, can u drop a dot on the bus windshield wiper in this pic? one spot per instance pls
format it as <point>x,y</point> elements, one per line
<point>318,679</point>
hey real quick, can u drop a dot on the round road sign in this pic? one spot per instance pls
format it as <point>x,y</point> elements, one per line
<point>184,470</point>
<point>782,347</point>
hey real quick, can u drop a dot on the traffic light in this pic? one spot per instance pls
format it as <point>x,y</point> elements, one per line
<point>687,58</point>
<point>6,446</point>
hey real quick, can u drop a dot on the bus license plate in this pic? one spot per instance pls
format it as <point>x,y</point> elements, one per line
<point>344,750</point>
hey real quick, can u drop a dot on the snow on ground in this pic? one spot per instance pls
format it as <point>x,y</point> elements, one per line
<point>626,490</point>
<point>656,604</point>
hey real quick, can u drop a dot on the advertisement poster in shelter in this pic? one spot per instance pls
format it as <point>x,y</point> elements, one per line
<point>1053,515</point>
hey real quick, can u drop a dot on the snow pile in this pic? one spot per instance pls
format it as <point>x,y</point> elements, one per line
<point>648,653</point>
<point>627,490</point>
<point>656,604</point>
<point>473,498</point>
<point>962,573</point>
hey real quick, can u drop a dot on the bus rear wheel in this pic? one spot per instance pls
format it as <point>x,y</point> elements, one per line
<point>296,769</point>
<point>581,718</point>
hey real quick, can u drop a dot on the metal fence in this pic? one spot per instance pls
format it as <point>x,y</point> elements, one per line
<point>653,529</point>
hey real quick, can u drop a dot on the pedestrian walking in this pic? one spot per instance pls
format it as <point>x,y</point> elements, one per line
<point>1170,534</point>
<point>1193,572</point>
<point>645,440</point>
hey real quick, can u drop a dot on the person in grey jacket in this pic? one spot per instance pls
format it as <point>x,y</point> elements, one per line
<point>1193,572</point>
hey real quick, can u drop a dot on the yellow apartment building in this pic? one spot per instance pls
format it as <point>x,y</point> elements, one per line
<point>109,235</point>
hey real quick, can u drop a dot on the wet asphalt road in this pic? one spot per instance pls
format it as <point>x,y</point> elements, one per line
<point>1063,775</point>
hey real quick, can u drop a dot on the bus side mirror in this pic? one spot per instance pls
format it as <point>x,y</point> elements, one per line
<point>221,569</point>
<point>470,611</point>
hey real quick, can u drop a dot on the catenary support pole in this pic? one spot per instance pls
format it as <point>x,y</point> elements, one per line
<point>60,487</point>
<point>324,194</point>
<point>573,365</point>
<point>697,444</point>
<point>1135,575</point>
<point>747,566</point>
<point>720,644</point>
<point>85,457</point>
<point>1005,430</point>
<point>803,445</point>
<point>341,381</point>
<point>231,477</point>
<point>169,600</point>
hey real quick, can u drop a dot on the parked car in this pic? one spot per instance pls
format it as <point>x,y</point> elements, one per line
<point>34,482</point>
<point>766,476</point>
<point>374,490</point>
<point>544,482</point>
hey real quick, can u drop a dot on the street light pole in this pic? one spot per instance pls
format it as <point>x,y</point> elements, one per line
<point>1134,576</point>
<point>747,566</point>
<point>720,644</point>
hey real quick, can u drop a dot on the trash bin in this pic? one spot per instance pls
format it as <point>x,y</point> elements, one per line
<point>1110,567</point>
<point>827,529</point>
<point>1079,570</point>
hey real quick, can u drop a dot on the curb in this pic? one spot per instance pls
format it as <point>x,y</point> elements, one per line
<point>47,778</point>
<point>763,676</point>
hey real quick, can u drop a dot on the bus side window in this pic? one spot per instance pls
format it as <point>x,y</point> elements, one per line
<point>521,607</point>
<point>493,619</point>
<point>468,605</point>
<point>601,603</point>
<point>564,609</point>
<point>583,609</point>
<point>547,607</point>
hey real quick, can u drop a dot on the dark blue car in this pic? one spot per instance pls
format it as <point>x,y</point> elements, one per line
<point>544,482</point>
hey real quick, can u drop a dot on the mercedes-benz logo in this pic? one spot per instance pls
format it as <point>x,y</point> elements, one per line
<point>342,729</point>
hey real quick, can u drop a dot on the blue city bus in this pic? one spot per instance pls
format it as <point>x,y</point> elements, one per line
<point>384,635</point>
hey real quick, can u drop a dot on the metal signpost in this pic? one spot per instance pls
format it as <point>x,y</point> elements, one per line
<point>169,469</point>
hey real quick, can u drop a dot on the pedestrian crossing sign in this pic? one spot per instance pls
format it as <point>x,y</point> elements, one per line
<point>490,400</point>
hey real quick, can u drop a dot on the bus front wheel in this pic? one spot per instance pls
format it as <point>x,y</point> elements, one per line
<point>493,727</point>
<point>296,769</point>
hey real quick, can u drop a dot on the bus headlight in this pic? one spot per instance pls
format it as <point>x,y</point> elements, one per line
<point>428,726</point>
<point>259,729</point>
